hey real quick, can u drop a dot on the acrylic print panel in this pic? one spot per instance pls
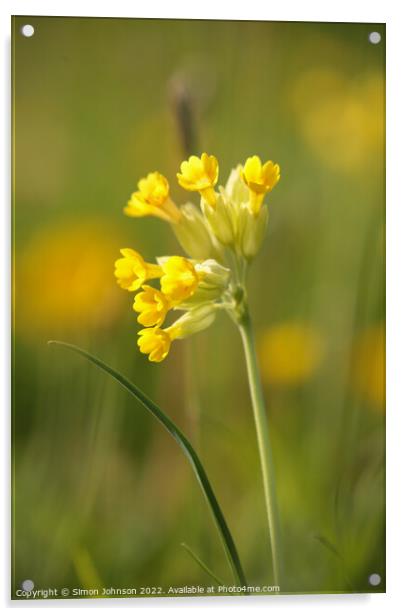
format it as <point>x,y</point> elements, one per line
<point>211,421</point>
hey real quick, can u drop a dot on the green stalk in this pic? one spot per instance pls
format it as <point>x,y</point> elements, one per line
<point>264,447</point>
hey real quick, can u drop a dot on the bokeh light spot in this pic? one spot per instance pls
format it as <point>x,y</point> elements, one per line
<point>290,353</point>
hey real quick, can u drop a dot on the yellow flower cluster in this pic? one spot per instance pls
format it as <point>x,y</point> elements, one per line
<point>220,237</point>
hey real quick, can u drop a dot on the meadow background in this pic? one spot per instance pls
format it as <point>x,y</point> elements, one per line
<point>102,495</point>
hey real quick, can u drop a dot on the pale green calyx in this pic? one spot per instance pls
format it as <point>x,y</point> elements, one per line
<point>251,231</point>
<point>193,234</point>
<point>194,321</point>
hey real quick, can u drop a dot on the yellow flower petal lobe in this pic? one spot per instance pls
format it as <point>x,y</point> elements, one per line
<point>152,306</point>
<point>152,199</point>
<point>200,174</point>
<point>179,280</point>
<point>154,342</point>
<point>132,271</point>
<point>260,179</point>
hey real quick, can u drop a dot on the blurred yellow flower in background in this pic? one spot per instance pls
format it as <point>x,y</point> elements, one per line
<point>340,119</point>
<point>368,368</point>
<point>63,279</point>
<point>289,353</point>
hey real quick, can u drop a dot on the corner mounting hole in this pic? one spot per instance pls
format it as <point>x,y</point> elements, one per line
<point>28,585</point>
<point>374,38</point>
<point>374,579</point>
<point>27,30</point>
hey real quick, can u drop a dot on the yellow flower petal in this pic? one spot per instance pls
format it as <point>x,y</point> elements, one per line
<point>154,342</point>
<point>179,280</point>
<point>201,175</point>
<point>260,180</point>
<point>152,199</point>
<point>154,188</point>
<point>132,271</point>
<point>152,306</point>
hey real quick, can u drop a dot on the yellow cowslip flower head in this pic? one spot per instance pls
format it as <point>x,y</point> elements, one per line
<point>152,306</point>
<point>201,175</point>
<point>152,199</point>
<point>179,279</point>
<point>155,342</point>
<point>220,236</point>
<point>260,179</point>
<point>132,271</point>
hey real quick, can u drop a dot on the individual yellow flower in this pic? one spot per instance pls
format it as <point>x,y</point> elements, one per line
<point>201,175</point>
<point>152,199</point>
<point>152,306</point>
<point>179,279</point>
<point>132,271</point>
<point>260,179</point>
<point>155,342</point>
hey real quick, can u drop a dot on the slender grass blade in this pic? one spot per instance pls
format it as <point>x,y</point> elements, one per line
<point>181,439</point>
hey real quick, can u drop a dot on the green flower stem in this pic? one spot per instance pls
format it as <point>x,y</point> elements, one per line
<point>261,424</point>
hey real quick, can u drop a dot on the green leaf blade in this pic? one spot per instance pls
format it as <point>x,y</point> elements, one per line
<point>201,563</point>
<point>181,439</point>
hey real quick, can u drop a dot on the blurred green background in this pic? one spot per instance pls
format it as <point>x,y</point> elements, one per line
<point>102,495</point>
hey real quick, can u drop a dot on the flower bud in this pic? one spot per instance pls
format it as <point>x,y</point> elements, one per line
<point>213,275</point>
<point>235,190</point>
<point>193,234</point>
<point>221,220</point>
<point>251,231</point>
